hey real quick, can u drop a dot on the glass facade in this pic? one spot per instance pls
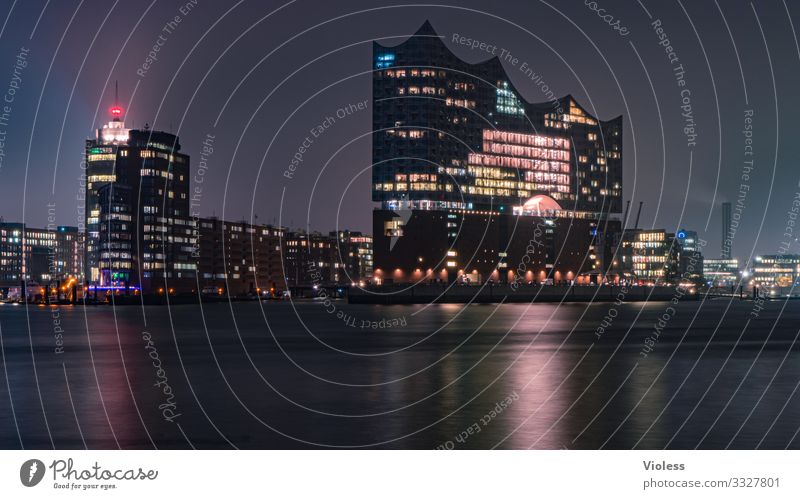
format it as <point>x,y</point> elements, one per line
<point>139,232</point>
<point>781,271</point>
<point>39,255</point>
<point>454,135</point>
<point>650,256</point>
<point>721,272</point>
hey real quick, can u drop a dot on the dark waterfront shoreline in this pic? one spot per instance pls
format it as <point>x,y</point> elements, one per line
<point>421,294</point>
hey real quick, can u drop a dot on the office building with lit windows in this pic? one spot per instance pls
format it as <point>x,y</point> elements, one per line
<point>650,256</point>
<point>309,259</point>
<point>39,256</point>
<point>690,255</point>
<point>353,253</point>
<point>237,258</point>
<point>338,258</point>
<point>721,272</point>
<point>455,143</point>
<point>778,271</point>
<point>139,233</point>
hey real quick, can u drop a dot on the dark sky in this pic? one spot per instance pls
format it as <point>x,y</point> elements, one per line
<point>259,75</point>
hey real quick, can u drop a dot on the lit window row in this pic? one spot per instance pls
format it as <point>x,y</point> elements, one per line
<point>525,139</point>
<point>402,73</point>
<point>518,163</point>
<point>525,151</point>
<point>469,104</point>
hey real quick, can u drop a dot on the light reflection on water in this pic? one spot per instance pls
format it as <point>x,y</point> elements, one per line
<point>253,383</point>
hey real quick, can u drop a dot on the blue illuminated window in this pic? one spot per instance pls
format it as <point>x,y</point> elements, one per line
<point>384,60</point>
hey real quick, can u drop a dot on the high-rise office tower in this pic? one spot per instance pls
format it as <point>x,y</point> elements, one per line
<point>727,237</point>
<point>690,256</point>
<point>139,233</point>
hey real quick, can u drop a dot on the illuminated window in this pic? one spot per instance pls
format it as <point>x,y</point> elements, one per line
<point>507,101</point>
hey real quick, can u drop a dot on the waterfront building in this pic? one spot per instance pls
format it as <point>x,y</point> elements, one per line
<point>342,257</point>
<point>721,272</point>
<point>139,233</point>
<point>780,272</point>
<point>457,143</point>
<point>354,257</point>
<point>474,247</point>
<point>650,256</point>
<point>239,258</point>
<point>12,261</point>
<point>310,259</point>
<point>690,256</point>
<point>51,256</point>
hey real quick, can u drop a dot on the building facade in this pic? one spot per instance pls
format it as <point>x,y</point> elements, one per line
<point>473,247</point>
<point>309,259</point>
<point>690,256</point>
<point>354,257</point>
<point>139,233</point>
<point>459,140</point>
<point>239,258</point>
<point>450,134</point>
<point>39,257</point>
<point>338,258</point>
<point>721,272</point>
<point>778,271</point>
<point>650,256</point>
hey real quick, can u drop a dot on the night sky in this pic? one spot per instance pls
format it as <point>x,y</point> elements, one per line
<point>258,76</point>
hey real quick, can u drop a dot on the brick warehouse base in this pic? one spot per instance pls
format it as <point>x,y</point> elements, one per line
<point>477,247</point>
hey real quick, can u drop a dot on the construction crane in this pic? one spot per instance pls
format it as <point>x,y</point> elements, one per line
<point>625,218</point>
<point>639,214</point>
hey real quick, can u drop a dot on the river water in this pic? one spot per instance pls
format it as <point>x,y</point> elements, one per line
<point>711,374</point>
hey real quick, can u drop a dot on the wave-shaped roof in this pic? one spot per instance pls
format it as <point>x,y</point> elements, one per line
<point>494,64</point>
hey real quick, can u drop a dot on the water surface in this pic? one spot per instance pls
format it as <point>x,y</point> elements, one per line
<point>284,375</point>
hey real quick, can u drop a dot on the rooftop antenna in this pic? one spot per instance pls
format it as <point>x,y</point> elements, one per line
<point>116,110</point>
<point>638,215</point>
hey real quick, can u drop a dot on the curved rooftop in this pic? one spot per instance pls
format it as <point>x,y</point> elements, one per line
<point>493,63</point>
<point>541,204</point>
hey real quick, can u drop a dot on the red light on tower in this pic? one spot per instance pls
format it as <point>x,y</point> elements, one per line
<point>116,111</point>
